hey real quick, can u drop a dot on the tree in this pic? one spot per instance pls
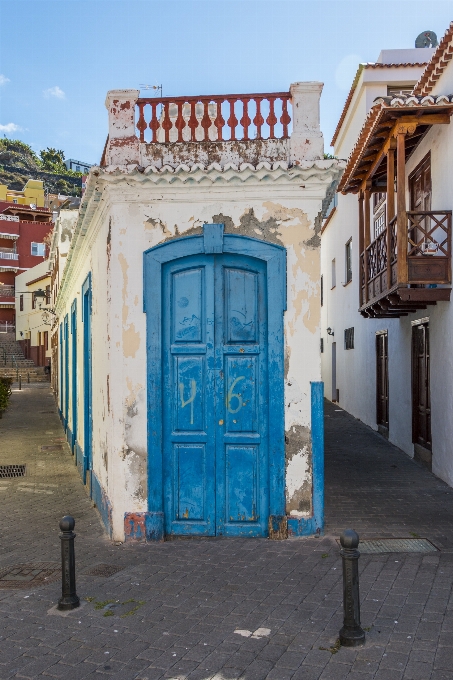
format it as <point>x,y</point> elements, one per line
<point>52,159</point>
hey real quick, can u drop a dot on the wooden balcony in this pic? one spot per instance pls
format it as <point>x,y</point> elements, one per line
<point>395,281</point>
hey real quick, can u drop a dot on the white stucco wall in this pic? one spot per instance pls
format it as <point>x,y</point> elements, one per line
<point>356,369</point>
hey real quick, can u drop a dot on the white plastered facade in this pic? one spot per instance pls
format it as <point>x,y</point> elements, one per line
<point>356,369</point>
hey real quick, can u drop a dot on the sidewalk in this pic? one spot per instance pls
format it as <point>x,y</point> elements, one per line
<point>172,609</point>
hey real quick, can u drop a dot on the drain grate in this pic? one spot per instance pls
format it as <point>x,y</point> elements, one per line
<point>21,576</point>
<point>8,471</point>
<point>53,447</point>
<point>103,570</point>
<point>396,545</point>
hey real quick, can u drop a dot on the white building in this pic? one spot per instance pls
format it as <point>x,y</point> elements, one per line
<point>387,319</point>
<point>189,317</point>
<point>77,166</point>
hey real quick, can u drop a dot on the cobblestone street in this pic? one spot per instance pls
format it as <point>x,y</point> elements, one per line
<point>225,609</point>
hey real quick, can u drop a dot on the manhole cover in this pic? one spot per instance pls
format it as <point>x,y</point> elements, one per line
<point>7,471</point>
<point>29,575</point>
<point>53,447</point>
<point>397,545</point>
<point>103,570</point>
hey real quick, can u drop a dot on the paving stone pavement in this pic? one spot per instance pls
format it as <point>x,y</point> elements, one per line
<point>172,610</point>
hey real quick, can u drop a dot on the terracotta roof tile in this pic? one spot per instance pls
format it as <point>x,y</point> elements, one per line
<point>437,64</point>
<point>354,85</point>
<point>381,105</point>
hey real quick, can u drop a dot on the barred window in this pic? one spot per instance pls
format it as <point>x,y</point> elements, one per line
<point>322,345</point>
<point>349,338</point>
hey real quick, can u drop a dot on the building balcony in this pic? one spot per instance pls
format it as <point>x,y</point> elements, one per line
<point>8,254</point>
<point>395,282</point>
<point>7,294</point>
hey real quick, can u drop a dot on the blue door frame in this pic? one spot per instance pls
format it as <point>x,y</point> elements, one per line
<point>66,371</point>
<point>60,374</point>
<point>74,371</point>
<point>87,378</point>
<point>271,261</point>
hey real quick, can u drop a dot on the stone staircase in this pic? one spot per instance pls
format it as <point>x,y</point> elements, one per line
<point>13,362</point>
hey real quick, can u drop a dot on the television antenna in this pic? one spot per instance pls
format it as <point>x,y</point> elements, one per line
<point>158,88</point>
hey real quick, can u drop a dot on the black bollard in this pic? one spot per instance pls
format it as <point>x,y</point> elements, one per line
<point>352,633</point>
<point>20,382</point>
<point>28,377</point>
<point>69,598</point>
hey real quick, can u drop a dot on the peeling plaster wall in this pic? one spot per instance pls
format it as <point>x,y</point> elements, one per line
<point>137,214</point>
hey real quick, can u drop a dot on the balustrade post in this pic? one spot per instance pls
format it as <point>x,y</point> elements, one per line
<point>361,250</point>
<point>306,142</point>
<point>390,206</point>
<point>123,147</point>
<point>366,236</point>
<point>401,228</point>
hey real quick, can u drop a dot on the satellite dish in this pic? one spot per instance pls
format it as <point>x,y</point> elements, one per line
<point>426,39</point>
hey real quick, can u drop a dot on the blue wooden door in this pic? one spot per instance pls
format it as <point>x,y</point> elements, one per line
<point>87,378</point>
<point>74,371</point>
<point>215,461</point>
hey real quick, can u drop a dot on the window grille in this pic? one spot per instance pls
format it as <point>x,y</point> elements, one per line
<point>322,345</point>
<point>349,338</point>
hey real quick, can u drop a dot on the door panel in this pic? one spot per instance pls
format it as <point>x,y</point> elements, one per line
<point>188,412</point>
<point>215,396</point>
<point>242,476</point>
<point>242,397</point>
<point>189,484</point>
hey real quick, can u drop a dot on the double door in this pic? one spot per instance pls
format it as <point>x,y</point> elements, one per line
<point>215,396</point>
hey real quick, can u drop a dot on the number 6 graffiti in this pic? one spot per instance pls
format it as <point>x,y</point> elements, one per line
<point>231,395</point>
<point>193,392</point>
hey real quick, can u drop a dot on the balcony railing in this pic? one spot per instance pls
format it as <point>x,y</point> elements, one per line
<point>214,118</point>
<point>428,260</point>
<point>7,291</point>
<point>7,254</point>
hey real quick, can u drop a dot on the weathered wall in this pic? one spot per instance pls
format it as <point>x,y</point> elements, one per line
<point>130,212</point>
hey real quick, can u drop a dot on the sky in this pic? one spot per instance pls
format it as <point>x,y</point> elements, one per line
<point>59,58</point>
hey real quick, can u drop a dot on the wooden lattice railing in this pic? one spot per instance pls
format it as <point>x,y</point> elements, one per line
<point>428,254</point>
<point>214,118</point>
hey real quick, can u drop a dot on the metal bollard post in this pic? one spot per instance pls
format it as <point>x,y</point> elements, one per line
<point>20,382</point>
<point>69,598</point>
<point>352,633</point>
<point>28,378</point>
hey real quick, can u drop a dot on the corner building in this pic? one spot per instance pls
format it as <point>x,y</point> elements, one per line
<point>189,317</point>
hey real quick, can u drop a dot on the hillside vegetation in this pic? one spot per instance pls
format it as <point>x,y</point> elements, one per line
<point>19,163</point>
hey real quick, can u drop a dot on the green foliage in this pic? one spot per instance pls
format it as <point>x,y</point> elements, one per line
<point>5,392</point>
<point>27,164</point>
<point>52,160</point>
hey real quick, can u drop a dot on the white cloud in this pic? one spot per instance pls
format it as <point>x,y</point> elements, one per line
<point>3,79</point>
<point>10,127</point>
<point>56,92</point>
<point>346,70</point>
